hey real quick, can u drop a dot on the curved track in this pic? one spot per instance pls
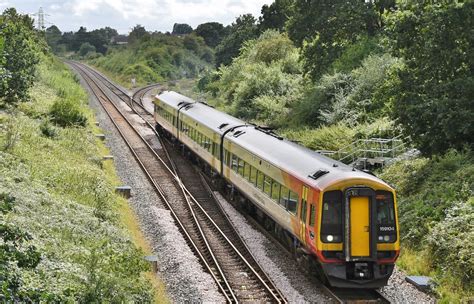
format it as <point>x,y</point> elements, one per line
<point>208,232</point>
<point>140,93</point>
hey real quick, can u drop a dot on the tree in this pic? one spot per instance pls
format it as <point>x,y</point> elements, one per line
<point>181,29</point>
<point>80,37</point>
<point>138,32</point>
<point>191,42</point>
<point>243,29</point>
<point>19,56</point>
<point>100,38</point>
<point>86,48</point>
<point>433,95</point>
<point>53,37</point>
<point>211,32</point>
<point>275,15</point>
<point>325,28</point>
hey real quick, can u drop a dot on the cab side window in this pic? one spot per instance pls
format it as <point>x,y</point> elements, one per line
<point>312,215</point>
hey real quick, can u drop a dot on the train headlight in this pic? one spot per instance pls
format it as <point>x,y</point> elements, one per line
<point>329,238</point>
<point>386,238</point>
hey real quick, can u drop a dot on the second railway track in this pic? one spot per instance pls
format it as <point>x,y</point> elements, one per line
<point>195,210</point>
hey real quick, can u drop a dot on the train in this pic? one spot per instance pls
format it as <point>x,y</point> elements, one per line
<point>341,223</point>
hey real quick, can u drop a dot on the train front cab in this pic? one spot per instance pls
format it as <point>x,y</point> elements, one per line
<point>358,239</point>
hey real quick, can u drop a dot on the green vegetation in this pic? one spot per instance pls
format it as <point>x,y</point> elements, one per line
<point>156,57</point>
<point>63,231</point>
<point>436,206</point>
<point>436,83</point>
<point>56,194</point>
<point>18,47</point>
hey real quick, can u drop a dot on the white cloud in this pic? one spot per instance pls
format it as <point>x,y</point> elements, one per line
<point>122,15</point>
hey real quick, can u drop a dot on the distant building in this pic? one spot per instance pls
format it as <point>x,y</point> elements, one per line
<point>119,39</point>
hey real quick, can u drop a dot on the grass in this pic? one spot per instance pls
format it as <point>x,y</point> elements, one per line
<point>129,219</point>
<point>88,237</point>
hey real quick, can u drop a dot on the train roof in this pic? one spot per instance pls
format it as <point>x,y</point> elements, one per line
<point>314,169</point>
<point>201,112</point>
<point>309,166</point>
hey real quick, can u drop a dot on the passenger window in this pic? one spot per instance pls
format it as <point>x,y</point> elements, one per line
<point>227,153</point>
<point>246,171</point>
<point>292,202</point>
<point>253,175</point>
<point>234,162</point>
<point>260,178</point>
<point>267,186</point>
<point>275,191</point>
<point>312,215</point>
<point>284,196</point>
<point>217,150</point>
<point>241,167</point>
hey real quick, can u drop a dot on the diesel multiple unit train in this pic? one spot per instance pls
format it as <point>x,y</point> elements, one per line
<point>341,220</point>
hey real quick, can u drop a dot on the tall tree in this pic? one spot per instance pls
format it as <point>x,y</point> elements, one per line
<point>275,15</point>
<point>433,94</point>
<point>20,55</point>
<point>325,28</point>
<point>138,32</point>
<point>243,29</point>
<point>211,32</point>
<point>53,37</point>
<point>182,29</point>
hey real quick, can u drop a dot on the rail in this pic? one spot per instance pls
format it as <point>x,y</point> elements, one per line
<point>219,276</point>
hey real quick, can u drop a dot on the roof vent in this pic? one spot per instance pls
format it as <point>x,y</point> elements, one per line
<point>318,174</point>
<point>223,125</point>
<point>238,133</point>
<point>268,131</point>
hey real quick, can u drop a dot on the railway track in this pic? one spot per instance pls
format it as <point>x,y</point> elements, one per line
<point>140,93</point>
<point>195,181</point>
<point>356,296</point>
<point>212,238</point>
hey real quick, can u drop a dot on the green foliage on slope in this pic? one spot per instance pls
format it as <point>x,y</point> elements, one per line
<point>263,82</point>
<point>61,236</point>
<point>157,57</point>
<point>436,206</point>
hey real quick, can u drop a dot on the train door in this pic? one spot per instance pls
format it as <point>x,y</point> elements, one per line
<point>303,213</point>
<point>311,222</point>
<point>358,223</point>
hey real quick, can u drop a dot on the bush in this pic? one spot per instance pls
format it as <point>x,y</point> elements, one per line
<point>451,242</point>
<point>351,98</point>
<point>86,48</point>
<point>66,113</point>
<point>263,82</point>
<point>47,129</point>
<point>427,188</point>
<point>353,55</point>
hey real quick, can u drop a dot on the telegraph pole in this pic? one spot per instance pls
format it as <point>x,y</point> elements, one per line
<point>41,19</point>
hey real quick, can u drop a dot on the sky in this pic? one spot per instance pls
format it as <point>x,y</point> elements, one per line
<point>155,15</point>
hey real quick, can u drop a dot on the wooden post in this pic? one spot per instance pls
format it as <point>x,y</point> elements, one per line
<point>153,259</point>
<point>125,191</point>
